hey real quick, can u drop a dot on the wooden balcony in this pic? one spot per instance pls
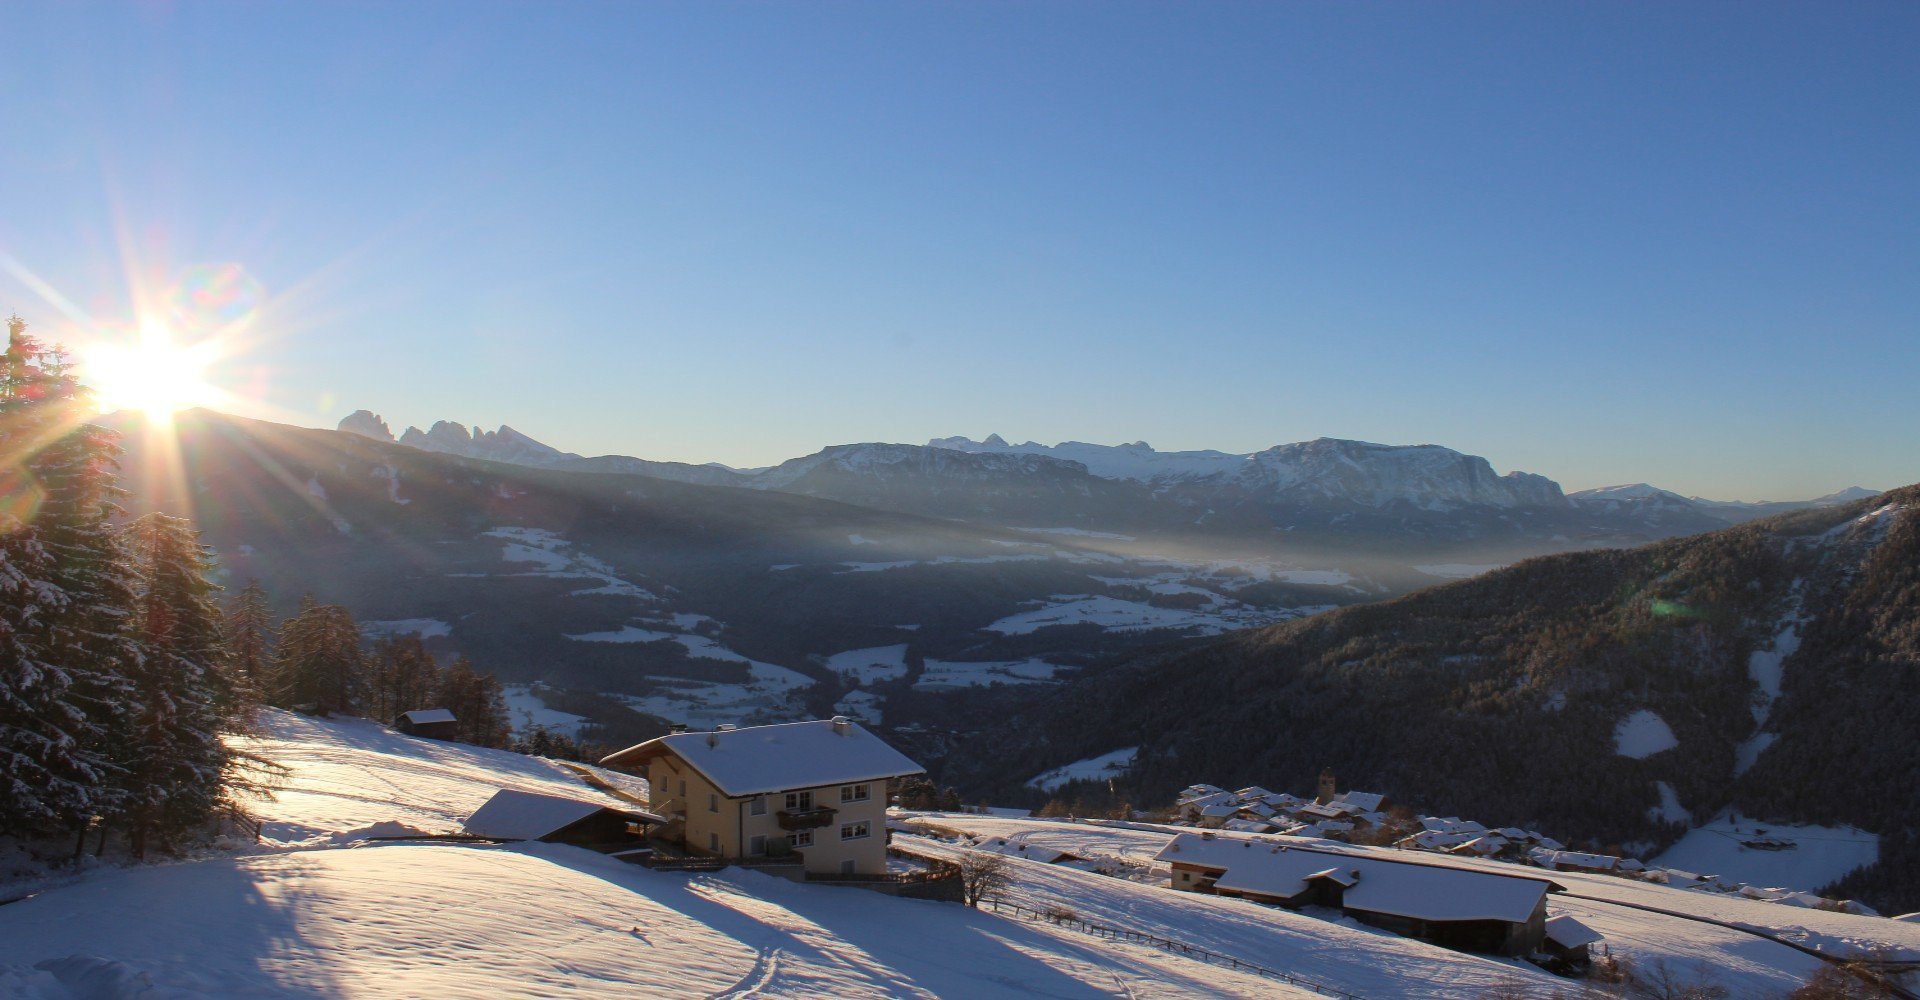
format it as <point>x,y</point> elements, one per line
<point>805,819</point>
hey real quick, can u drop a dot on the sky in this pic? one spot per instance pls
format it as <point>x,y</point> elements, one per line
<point>1604,242</point>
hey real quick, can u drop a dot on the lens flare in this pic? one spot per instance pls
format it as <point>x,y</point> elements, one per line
<point>214,298</point>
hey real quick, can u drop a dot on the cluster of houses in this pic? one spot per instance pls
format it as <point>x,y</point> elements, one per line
<point>1353,815</point>
<point>1330,813</point>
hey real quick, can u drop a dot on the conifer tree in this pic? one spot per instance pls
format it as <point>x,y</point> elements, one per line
<point>319,665</point>
<point>173,761</point>
<point>404,677</point>
<point>249,628</point>
<point>57,477</point>
<point>479,704</point>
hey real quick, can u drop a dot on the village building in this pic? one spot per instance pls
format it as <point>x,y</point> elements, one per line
<point>1569,943</point>
<point>1022,849</point>
<point>1465,908</point>
<point>556,819</point>
<point>1574,861</point>
<point>815,791</point>
<point>429,723</point>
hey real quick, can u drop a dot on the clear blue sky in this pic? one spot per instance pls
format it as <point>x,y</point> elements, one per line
<point>1606,242</point>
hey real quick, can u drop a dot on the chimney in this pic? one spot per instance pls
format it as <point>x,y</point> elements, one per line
<point>713,740</point>
<point>676,728</point>
<point>725,727</point>
<point>842,724</point>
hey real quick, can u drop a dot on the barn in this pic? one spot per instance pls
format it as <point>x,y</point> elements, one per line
<point>1468,909</point>
<point>430,723</point>
<point>555,819</point>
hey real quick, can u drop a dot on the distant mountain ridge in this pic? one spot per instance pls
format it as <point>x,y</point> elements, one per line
<point>1322,495</point>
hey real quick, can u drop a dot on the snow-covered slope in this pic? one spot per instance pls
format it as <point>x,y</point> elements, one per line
<point>445,920</point>
<point>1737,943</point>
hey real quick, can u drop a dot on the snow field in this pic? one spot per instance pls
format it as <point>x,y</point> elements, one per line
<point>1748,965</point>
<point>1643,734</point>
<point>1105,765</point>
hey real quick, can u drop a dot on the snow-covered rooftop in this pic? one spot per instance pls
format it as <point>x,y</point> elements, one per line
<point>760,759</point>
<point>1377,885</point>
<point>1570,933</point>
<point>420,716</point>
<point>514,815</point>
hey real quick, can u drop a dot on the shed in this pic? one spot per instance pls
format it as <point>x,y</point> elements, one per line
<point>429,723</point>
<point>556,819</point>
<point>1570,942</point>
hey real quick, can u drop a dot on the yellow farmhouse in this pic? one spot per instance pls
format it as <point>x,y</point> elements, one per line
<point>817,790</point>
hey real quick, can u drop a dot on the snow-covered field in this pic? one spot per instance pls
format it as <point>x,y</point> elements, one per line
<point>316,910</point>
<point>768,692</point>
<point>527,710</point>
<point>1106,765</point>
<point>348,774</point>
<point>444,920</point>
<point>1120,615</point>
<point>1643,734</point>
<point>1802,857</point>
<point>948,674</point>
<point>1706,932</point>
<point>866,666</point>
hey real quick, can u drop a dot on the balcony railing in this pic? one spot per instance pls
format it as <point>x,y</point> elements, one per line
<point>805,819</point>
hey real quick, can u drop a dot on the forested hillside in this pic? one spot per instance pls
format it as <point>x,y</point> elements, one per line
<point>1502,697</point>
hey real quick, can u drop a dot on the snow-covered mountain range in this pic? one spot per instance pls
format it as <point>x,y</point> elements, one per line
<point>1320,493</point>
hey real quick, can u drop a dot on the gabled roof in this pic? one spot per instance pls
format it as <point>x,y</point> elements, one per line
<point>512,815</point>
<point>758,759</point>
<point>1570,933</point>
<point>1362,801</point>
<point>424,715</point>
<point>1379,885</point>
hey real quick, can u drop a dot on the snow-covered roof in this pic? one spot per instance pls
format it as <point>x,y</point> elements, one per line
<point>1361,801</point>
<point>1574,859</point>
<point>1224,809</point>
<point>424,715</point>
<point>1206,799</point>
<point>512,815</point>
<point>758,759</point>
<point>1570,933</point>
<point>1379,885</point>
<point>1020,849</point>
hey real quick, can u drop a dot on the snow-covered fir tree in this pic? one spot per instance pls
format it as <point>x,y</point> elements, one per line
<point>71,661</point>
<point>172,761</point>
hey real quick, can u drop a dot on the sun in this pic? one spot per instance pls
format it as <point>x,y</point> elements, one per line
<point>157,375</point>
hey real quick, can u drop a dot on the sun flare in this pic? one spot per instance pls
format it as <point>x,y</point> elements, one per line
<point>157,376</point>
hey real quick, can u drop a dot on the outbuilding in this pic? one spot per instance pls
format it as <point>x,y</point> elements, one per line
<point>430,723</point>
<point>558,819</point>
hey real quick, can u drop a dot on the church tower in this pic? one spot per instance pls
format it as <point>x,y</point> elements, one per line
<point>1326,787</point>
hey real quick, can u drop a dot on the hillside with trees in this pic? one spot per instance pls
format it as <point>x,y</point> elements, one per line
<point>1502,697</point>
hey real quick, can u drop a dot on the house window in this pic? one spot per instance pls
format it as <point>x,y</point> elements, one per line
<point>757,845</point>
<point>759,806</point>
<point>713,802</point>
<point>855,793</point>
<point>713,842</point>
<point>683,788</point>
<point>846,867</point>
<point>799,801</point>
<point>804,838</point>
<point>855,831</point>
